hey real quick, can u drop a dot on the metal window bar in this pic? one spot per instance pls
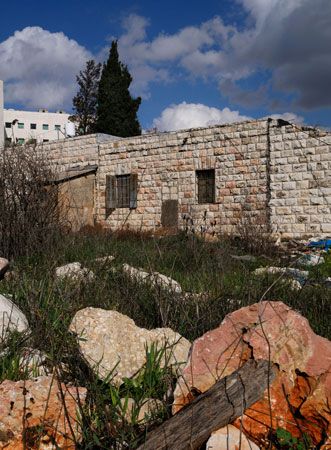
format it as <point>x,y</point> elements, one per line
<point>123,191</point>
<point>206,186</point>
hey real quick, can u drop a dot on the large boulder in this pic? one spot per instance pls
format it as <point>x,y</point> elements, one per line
<point>113,344</point>
<point>11,318</point>
<point>39,412</point>
<point>300,396</point>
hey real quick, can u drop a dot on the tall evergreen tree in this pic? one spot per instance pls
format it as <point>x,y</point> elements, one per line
<point>117,109</point>
<point>85,101</point>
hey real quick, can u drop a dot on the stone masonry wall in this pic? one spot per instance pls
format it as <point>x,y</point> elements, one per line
<point>278,173</point>
<point>166,165</point>
<point>73,153</point>
<point>300,165</point>
<point>68,154</point>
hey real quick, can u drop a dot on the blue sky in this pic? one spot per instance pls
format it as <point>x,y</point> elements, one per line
<point>194,63</point>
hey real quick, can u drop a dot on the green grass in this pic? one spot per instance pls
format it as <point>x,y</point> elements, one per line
<point>199,266</point>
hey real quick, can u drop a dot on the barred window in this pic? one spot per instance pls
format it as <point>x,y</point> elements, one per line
<point>206,186</point>
<point>123,191</point>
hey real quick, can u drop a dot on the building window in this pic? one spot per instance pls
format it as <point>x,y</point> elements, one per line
<point>20,141</point>
<point>45,126</point>
<point>121,191</point>
<point>20,125</point>
<point>45,140</point>
<point>58,127</point>
<point>33,126</point>
<point>8,125</point>
<point>206,186</point>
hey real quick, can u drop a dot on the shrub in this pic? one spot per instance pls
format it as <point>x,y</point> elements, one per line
<point>28,203</point>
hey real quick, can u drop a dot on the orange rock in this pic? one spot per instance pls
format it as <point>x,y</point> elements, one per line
<point>39,414</point>
<point>300,397</point>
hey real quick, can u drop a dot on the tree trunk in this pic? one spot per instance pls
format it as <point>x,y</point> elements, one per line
<point>221,404</point>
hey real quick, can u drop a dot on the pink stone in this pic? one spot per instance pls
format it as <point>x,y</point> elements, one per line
<point>38,404</point>
<point>267,330</point>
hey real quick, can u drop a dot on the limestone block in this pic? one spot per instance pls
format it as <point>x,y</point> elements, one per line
<point>113,344</point>
<point>326,227</point>
<point>42,409</point>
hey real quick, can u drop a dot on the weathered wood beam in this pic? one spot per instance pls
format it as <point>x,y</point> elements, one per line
<point>215,408</point>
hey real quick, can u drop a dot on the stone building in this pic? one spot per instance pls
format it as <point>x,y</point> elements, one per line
<point>265,171</point>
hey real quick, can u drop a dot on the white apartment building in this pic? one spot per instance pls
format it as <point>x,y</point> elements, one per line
<point>21,127</point>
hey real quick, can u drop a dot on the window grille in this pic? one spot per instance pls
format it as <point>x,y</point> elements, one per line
<point>206,186</point>
<point>123,191</point>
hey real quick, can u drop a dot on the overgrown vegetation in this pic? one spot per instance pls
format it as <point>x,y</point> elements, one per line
<point>28,203</point>
<point>215,284</point>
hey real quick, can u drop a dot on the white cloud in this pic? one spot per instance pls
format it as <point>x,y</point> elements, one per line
<point>191,115</point>
<point>39,67</point>
<point>274,39</point>
<point>162,58</point>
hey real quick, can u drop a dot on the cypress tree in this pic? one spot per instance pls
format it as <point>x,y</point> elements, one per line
<point>117,110</point>
<point>85,101</point>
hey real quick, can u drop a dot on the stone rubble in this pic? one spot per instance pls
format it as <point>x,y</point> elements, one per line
<point>267,330</point>
<point>105,259</point>
<point>113,344</point>
<point>156,279</point>
<point>75,272</point>
<point>34,410</point>
<point>11,318</point>
<point>300,276</point>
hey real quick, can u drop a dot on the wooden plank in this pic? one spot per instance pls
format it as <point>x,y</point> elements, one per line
<point>191,427</point>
